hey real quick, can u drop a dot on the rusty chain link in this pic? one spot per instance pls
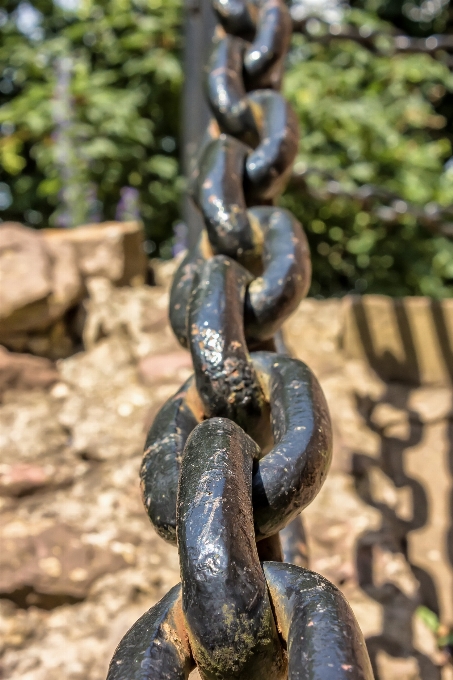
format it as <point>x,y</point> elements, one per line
<point>245,444</point>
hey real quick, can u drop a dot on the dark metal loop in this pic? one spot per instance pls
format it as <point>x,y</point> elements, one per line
<point>218,192</point>
<point>161,464</point>
<point>322,636</point>
<point>237,16</point>
<point>182,286</point>
<point>264,60</point>
<point>228,168</point>
<point>224,374</point>
<point>268,167</point>
<point>280,258</point>
<point>225,88</point>
<point>156,647</point>
<point>224,620</point>
<point>226,606</point>
<point>290,476</point>
<point>247,116</point>
<point>286,272</point>
<point>285,480</point>
<point>268,25</point>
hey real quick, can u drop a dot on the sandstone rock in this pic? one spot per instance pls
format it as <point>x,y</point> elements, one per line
<point>140,315</point>
<point>158,367</point>
<point>38,283</point>
<point>44,276</point>
<point>393,668</point>
<point>29,429</point>
<point>54,342</point>
<point>52,566</point>
<point>429,544</point>
<point>432,404</point>
<point>164,270</point>
<point>20,479</point>
<point>112,250</point>
<point>312,334</point>
<point>66,277</point>
<point>23,371</point>
<point>25,279</point>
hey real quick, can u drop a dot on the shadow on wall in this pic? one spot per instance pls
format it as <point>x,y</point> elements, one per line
<point>409,343</point>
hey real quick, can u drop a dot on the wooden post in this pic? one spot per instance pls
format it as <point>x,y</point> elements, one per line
<point>199,27</point>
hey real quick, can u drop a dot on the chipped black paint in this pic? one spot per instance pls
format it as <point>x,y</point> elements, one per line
<point>264,60</point>
<point>226,606</point>
<point>280,256</point>
<point>224,373</point>
<point>261,119</point>
<point>181,289</point>
<point>322,636</point>
<point>236,16</point>
<point>286,275</point>
<point>156,646</point>
<point>161,463</point>
<point>289,477</point>
<point>225,88</point>
<point>267,25</point>
<point>218,192</point>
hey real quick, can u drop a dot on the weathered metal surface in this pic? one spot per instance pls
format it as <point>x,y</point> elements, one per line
<point>231,628</point>
<point>322,636</point>
<point>224,374</point>
<point>286,272</point>
<point>288,478</point>
<point>276,252</point>
<point>161,463</point>
<point>156,646</point>
<point>246,442</point>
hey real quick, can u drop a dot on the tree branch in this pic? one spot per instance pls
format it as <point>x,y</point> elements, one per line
<point>432,216</point>
<point>369,39</point>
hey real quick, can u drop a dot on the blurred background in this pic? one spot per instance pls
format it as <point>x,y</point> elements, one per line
<point>91,120</point>
<point>99,109</point>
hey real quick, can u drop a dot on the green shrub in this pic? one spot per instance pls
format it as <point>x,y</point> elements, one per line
<point>90,109</point>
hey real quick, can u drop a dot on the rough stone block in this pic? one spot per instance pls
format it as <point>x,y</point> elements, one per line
<point>112,250</point>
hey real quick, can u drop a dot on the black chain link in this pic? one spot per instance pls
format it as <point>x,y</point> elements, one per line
<point>245,444</point>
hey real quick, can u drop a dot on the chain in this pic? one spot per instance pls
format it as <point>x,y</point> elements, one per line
<point>245,444</point>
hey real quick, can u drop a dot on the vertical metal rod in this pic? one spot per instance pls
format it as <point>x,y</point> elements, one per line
<point>199,27</point>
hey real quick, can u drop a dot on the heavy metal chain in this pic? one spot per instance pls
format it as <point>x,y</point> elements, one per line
<point>245,444</point>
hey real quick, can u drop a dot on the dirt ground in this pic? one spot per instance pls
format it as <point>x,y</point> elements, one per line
<point>79,560</point>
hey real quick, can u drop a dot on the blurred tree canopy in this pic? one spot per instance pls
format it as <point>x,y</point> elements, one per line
<point>90,120</point>
<point>90,105</point>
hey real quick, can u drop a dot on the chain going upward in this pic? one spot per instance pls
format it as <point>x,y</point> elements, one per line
<point>245,444</point>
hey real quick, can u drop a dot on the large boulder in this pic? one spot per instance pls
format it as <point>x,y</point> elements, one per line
<point>112,250</point>
<point>38,283</point>
<point>44,276</point>
<point>24,270</point>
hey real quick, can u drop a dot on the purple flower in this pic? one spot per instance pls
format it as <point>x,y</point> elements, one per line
<point>128,205</point>
<point>180,239</point>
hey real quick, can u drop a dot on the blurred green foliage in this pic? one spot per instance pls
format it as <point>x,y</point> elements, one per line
<point>368,117</point>
<point>125,106</point>
<point>371,118</point>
